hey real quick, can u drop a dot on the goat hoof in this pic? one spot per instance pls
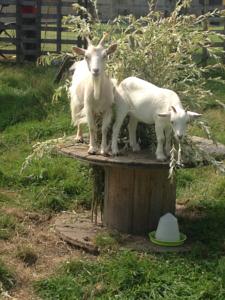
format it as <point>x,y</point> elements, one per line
<point>115,154</point>
<point>104,153</point>
<point>136,148</point>
<point>92,151</point>
<point>161,158</point>
<point>79,140</point>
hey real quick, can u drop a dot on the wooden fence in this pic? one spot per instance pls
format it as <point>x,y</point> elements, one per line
<point>217,44</point>
<point>28,33</point>
<point>29,28</point>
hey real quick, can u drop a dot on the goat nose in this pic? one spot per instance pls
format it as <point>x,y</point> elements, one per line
<point>95,71</point>
<point>179,136</point>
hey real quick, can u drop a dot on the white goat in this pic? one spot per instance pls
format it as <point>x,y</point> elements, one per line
<point>81,70</point>
<point>149,104</point>
<point>92,93</point>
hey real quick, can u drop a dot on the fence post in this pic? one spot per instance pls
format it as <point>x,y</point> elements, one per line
<point>38,31</point>
<point>59,26</point>
<point>205,54</point>
<point>224,40</point>
<point>18,32</point>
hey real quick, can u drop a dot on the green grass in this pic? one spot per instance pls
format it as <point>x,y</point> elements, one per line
<point>57,183</point>
<point>27,116</point>
<point>8,225</point>
<point>127,275</point>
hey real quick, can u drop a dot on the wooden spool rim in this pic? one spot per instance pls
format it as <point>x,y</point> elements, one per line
<point>142,159</point>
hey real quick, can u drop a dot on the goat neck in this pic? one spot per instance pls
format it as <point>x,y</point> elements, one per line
<point>97,85</point>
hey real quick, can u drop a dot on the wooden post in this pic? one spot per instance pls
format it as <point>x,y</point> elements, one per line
<point>224,40</point>
<point>29,12</point>
<point>59,26</point>
<point>205,54</point>
<point>38,30</point>
<point>18,32</point>
<point>135,198</point>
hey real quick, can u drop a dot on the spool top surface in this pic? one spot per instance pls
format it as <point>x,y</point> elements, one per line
<point>142,159</point>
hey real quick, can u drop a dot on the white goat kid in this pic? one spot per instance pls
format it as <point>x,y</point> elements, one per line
<point>92,93</point>
<point>149,104</point>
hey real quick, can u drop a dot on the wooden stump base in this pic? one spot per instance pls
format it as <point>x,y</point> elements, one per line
<point>135,198</point>
<point>137,189</point>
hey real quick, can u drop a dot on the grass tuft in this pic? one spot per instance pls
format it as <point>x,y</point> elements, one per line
<point>27,255</point>
<point>7,279</point>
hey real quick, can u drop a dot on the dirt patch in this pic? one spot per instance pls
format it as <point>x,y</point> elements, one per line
<point>51,251</point>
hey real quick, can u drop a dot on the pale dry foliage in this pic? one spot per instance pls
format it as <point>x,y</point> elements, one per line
<point>164,51</point>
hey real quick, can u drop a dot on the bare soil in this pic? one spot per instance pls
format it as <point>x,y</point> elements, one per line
<point>38,234</point>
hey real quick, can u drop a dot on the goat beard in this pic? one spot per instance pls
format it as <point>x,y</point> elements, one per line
<point>97,87</point>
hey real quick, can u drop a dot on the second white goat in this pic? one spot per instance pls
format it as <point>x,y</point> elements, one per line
<point>147,103</point>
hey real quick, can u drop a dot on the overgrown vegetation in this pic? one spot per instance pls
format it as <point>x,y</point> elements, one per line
<point>27,117</point>
<point>164,51</point>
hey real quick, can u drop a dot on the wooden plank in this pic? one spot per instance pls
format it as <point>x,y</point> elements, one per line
<point>11,2</point>
<point>6,51</point>
<point>59,25</point>
<point>143,187</point>
<point>38,30</point>
<point>18,33</point>
<point>28,27</point>
<point>118,200</point>
<point>58,41</point>
<point>142,159</point>
<point>7,15</point>
<point>27,3</point>
<point>135,199</point>
<point>48,28</point>
<point>224,41</point>
<point>30,52</point>
<point>8,40</point>
<point>52,3</point>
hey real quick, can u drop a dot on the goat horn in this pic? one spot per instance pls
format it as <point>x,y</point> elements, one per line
<point>88,40</point>
<point>174,109</point>
<point>105,35</point>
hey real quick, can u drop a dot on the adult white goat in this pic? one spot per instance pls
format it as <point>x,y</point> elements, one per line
<point>92,93</point>
<point>149,104</point>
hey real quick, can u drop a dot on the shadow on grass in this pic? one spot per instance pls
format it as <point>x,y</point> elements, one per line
<point>205,227</point>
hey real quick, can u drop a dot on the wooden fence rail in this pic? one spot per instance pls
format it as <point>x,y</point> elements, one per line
<point>217,44</point>
<point>31,33</point>
<point>31,28</point>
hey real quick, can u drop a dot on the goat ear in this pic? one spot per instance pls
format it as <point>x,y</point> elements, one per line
<point>111,49</point>
<point>193,115</point>
<point>78,50</point>
<point>164,114</point>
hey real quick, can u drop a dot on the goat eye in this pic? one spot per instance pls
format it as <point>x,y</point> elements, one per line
<point>86,56</point>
